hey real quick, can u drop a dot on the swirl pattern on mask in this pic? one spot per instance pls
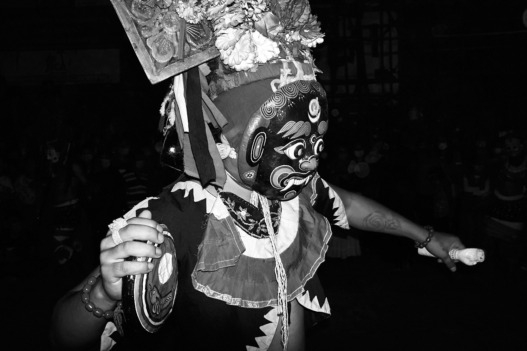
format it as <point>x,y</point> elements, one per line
<point>290,91</point>
<point>273,105</point>
<point>280,99</point>
<point>303,86</point>
<point>268,109</point>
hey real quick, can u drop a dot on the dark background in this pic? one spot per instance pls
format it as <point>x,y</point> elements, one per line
<point>69,76</point>
<point>459,57</point>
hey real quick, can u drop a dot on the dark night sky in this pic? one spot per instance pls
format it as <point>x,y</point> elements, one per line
<point>467,56</point>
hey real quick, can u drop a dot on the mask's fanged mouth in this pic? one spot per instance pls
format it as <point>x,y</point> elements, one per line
<point>289,183</point>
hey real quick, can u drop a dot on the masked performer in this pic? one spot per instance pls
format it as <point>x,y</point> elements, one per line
<point>226,258</point>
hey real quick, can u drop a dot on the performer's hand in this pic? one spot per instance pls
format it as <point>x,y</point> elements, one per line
<point>441,245</point>
<point>134,235</point>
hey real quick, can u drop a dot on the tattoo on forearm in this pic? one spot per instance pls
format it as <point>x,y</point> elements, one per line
<point>381,222</point>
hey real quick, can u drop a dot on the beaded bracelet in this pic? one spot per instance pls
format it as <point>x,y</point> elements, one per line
<point>422,244</point>
<point>89,305</point>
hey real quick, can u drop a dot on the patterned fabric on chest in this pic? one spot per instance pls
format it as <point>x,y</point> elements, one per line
<point>250,218</point>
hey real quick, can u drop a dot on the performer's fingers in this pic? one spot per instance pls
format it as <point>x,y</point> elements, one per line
<point>146,214</point>
<point>127,249</point>
<point>140,232</point>
<point>107,242</point>
<point>113,273</point>
<point>450,264</point>
<point>133,232</point>
<point>124,268</point>
<point>146,222</point>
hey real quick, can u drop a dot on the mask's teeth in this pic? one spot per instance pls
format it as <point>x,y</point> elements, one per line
<point>288,185</point>
<point>295,181</point>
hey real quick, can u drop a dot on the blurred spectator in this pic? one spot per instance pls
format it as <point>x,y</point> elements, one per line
<point>507,216</point>
<point>475,191</point>
<point>64,229</point>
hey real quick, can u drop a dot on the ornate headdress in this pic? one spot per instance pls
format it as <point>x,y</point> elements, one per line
<point>242,40</point>
<point>172,36</point>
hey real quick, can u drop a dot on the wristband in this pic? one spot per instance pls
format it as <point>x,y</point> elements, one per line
<point>90,306</point>
<point>423,244</point>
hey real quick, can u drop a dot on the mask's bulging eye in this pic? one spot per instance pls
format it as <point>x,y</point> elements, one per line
<point>294,150</point>
<point>318,147</point>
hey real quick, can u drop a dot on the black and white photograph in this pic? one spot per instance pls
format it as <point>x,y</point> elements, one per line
<point>263,175</point>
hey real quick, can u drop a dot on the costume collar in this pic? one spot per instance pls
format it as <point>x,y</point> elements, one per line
<point>250,218</point>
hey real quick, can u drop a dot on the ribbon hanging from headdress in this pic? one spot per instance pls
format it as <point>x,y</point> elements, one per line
<point>197,133</point>
<point>188,115</point>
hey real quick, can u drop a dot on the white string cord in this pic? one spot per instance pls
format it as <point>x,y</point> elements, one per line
<point>254,200</point>
<point>279,271</point>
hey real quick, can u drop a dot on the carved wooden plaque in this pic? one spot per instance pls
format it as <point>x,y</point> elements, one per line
<point>164,43</point>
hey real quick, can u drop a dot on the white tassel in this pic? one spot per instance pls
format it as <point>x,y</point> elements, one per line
<point>279,271</point>
<point>226,151</point>
<point>172,115</point>
<point>163,107</point>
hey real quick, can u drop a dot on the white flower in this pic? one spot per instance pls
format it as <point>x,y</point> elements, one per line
<point>243,55</point>
<point>266,49</point>
<point>227,38</point>
<point>245,65</point>
<point>224,54</point>
<point>249,33</point>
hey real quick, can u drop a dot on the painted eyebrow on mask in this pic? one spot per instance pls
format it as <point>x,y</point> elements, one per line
<point>295,129</point>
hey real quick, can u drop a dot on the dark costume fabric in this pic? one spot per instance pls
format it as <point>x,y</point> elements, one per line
<point>226,295</point>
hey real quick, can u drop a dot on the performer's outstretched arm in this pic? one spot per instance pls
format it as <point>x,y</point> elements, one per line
<point>368,215</point>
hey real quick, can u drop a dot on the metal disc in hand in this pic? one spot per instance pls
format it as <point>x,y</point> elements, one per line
<point>148,299</point>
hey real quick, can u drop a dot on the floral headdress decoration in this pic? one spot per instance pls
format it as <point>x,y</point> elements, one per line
<point>252,32</point>
<point>171,37</point>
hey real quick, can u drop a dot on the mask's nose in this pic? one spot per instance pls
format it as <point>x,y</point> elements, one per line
<point>310,164</point>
